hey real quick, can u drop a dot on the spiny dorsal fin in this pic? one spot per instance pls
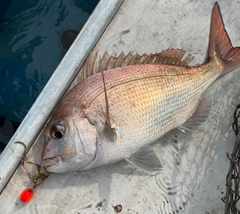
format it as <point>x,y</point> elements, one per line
<point>170,56</point>
<point>174,57</point>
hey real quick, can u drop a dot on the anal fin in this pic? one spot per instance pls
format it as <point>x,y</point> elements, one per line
<point>145,159</point>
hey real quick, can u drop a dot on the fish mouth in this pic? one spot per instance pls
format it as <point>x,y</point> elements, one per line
<point>50,161</point>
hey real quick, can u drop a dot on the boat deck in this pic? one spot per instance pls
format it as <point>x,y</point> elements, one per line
<point>195,164</point>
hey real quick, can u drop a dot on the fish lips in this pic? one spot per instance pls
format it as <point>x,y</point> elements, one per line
<point>46,162</point>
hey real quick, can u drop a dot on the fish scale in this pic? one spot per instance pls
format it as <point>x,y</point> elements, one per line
<point>144,87</point>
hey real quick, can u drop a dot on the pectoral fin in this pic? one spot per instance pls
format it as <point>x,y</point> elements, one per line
<point>145,159</point>
<point>102,125</point>
<point>200,116</point>
<point>109,132</point>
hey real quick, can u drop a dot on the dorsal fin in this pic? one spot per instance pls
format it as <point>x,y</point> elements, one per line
<point>174,57</point>
<point>170,56</point>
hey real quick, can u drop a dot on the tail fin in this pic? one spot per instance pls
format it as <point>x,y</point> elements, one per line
<point>220,44</point>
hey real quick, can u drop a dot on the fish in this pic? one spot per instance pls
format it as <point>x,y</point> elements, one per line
<point>126,103</point>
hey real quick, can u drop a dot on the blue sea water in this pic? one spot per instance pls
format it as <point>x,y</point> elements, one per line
<point>34,36</point>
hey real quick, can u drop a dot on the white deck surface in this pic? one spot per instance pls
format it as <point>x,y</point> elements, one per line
<point>195,164</point>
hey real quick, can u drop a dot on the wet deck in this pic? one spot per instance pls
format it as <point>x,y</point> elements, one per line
<point>195,164</point>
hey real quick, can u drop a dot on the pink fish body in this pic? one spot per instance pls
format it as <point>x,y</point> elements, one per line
<point>116,114</point>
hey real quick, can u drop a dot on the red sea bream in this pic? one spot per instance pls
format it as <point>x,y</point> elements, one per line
<point>116,114</point>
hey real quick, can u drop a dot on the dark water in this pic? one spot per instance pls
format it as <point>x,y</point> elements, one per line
<point>34,36</point>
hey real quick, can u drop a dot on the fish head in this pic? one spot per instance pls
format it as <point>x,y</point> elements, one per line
<point>69,144</point>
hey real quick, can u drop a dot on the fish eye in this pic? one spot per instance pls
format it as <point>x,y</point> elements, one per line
<point>57,131</point>
<point>57,134</point>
